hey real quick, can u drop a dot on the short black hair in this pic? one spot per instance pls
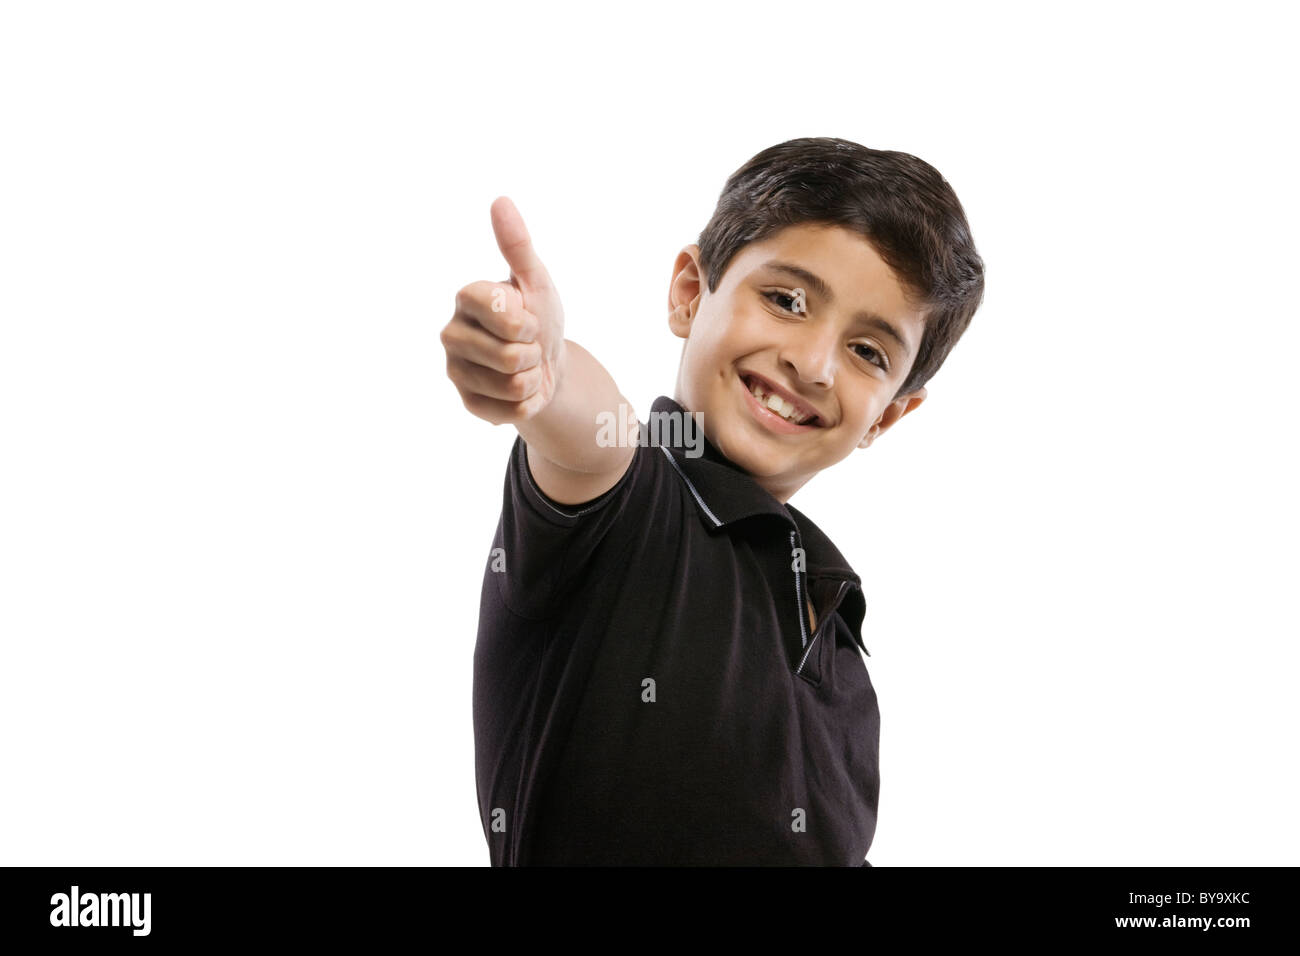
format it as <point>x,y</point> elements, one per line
<point>899,203</point>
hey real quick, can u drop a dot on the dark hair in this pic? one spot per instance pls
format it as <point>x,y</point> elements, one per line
<point>899,203</point>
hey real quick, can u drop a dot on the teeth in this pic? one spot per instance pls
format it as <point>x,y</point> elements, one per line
<point>779,405</point>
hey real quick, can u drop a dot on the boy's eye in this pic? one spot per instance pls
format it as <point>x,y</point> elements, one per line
<point>875,356</point>
<point>773,297</point>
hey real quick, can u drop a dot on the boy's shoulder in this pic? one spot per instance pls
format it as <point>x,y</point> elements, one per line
<point>676,504</point>
<point>726,493</point>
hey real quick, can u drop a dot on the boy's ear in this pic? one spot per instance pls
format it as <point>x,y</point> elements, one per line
<point>892,413</point>
<point>684,290</point>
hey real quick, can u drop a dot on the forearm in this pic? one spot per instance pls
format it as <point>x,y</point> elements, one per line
<point>584,428</point>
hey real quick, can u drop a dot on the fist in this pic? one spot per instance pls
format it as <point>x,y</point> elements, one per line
<point>505,340</point>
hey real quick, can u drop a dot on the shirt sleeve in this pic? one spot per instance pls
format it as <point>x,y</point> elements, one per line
<point>546,547</point>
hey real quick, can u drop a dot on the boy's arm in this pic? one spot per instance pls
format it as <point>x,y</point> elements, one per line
<point>508,358</point>
<point>576,445</point>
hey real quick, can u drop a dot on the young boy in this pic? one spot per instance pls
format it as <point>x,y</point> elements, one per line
<point>667,668</point>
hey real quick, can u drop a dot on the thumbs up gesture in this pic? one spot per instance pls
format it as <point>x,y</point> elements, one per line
<point>505,342</point>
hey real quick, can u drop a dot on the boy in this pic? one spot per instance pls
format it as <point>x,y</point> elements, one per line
<point>667,667</point>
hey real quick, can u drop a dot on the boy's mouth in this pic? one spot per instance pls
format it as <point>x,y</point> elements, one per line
<point>778,404</point>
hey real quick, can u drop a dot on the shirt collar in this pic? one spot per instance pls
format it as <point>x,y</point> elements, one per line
<point>726,493</point>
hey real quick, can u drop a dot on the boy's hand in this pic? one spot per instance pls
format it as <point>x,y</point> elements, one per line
<point>505,342</point>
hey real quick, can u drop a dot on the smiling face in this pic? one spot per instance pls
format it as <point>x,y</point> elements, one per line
<point>813,316</point>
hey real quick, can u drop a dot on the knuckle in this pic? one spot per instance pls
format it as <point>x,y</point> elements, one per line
<point>516,358</point>
<point>469,297</point>
<point>520,386</point>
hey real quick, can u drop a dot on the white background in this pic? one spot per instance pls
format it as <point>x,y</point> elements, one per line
<point>244,516</point>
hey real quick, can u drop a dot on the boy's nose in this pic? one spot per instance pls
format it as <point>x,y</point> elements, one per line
<point>811,355</point>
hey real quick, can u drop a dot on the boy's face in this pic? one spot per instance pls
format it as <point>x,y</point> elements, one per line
<point>829,349</point>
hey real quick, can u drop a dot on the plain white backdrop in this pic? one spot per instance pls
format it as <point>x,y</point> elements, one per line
<point>244,516</point>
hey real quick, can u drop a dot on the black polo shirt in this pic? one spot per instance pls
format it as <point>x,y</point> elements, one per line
<point>647,688</point>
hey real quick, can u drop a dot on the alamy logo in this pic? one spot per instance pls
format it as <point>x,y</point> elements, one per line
<point>671,428</point>
<point>101,909</point>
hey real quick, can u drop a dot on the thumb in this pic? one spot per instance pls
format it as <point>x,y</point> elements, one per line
<point>517,247</point>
